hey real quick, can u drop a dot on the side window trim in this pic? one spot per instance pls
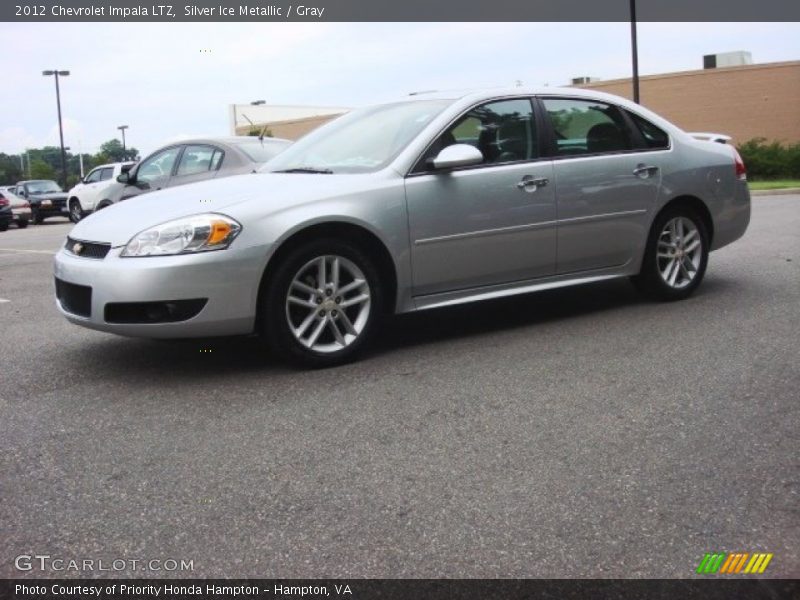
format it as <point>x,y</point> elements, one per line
<point>414,172</point>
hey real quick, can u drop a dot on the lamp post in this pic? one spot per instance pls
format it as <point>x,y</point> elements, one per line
<point>122,128</point>
<point>634,53</point>
<point>56,73</point>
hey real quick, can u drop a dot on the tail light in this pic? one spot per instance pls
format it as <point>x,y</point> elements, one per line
<point>4,202</point>
<point>741,171</point>
<point>26,205</point>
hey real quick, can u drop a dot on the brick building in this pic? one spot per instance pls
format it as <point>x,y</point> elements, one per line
<point>745,102</point>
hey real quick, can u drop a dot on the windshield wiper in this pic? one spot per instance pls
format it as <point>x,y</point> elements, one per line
<point>306,170</point>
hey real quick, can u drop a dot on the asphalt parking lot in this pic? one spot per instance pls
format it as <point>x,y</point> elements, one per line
<point>576,433</point>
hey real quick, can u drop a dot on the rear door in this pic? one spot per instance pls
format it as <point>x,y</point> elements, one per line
<point>604,185</point>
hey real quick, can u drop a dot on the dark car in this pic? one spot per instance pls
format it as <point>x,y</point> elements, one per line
<point>194,160</point>
<point>6,215</point>
<point>46,198</point>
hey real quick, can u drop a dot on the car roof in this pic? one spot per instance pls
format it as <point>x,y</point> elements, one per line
<point>114,164</point>
<point>37,181</point>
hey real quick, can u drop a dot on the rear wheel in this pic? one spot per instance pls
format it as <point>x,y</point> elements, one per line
<point>75,210</point>
<point>676,256</point>
<point>322,304</point>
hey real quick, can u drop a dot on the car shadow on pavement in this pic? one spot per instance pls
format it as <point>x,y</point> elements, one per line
<point>220,357</point>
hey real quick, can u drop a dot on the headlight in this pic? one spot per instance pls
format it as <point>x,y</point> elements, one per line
<point>199,233</point>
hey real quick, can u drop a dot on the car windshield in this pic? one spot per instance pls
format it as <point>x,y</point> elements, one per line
<point>42,187</point>
<point>362,141</point>
<point>261,150</point>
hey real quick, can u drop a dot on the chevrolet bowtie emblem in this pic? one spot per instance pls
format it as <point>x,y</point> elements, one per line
<point>77,248</point>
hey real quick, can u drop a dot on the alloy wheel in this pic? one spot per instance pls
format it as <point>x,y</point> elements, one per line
<point>679,252</point>
<point>328,303</point>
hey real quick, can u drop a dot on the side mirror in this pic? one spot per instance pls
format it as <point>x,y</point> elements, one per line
<point>124,177</point>
<point>457,155</point>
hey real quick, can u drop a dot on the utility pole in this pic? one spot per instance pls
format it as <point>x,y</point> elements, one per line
<point>60,125</point>
<point>634,53</point>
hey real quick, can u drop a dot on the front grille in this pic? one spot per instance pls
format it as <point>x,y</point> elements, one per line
<point>75,299</point>
<point>87,249</point>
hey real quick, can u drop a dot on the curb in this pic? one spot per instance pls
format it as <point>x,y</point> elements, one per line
<point>778,192</point>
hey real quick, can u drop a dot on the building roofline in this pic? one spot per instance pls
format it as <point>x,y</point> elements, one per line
<point>694,73</point>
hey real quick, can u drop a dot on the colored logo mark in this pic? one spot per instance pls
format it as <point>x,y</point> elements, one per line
<point>734,562</point>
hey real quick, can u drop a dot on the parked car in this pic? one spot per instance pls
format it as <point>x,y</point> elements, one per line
<point>426,202</point>
<point>194,160</point>
<point>94,189</point>
<point>20,208</point>
<point>46,198</point>
<point>6,216</point>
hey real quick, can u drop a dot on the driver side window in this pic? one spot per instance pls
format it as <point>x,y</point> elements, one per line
<point>158,166</point>
<point>504,131</point>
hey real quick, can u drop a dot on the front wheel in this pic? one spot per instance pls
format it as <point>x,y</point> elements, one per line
<point>36,216</point>
<point>322,304</point>
<point>22,223</point>
<point>676,255</point>
<point>75,211</point>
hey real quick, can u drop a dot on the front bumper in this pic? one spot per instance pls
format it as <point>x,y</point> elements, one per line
<point>228,279</point>
<point>21,214</point>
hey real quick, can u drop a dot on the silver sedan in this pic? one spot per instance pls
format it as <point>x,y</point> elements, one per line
<point>425,202</point>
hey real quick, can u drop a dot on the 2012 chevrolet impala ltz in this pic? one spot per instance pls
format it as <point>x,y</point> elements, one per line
<point>433,200</point>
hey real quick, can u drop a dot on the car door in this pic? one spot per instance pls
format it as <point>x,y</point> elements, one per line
<point>154,172</point>
<point>486,224</point>
<point>197,162</point>
<point>605,187</point>
<point>87,194</point>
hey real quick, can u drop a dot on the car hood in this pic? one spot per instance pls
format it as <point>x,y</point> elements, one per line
<point>240,197</point>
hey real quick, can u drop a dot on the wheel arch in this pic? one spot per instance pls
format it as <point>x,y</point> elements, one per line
<point>356,233</point>
<point>694,203</point>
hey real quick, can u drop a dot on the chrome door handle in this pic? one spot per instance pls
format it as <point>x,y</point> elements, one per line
<point>644,171</point>
<point>529,183</point>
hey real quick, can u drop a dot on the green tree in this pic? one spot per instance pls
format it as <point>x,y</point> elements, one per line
<point>41,170</point>
<point>10,169</point>
<point>113,152</point>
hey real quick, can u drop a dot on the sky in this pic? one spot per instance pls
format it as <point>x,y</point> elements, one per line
<point>172,80</point>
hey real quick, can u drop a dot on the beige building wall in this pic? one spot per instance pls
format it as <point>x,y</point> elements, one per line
<point>290,130</point>
<point>744,102</point>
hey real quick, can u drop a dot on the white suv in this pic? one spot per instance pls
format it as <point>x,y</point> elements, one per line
<point>92,192</point>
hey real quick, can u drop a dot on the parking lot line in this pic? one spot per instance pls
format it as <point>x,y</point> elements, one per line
<point>27,251</point>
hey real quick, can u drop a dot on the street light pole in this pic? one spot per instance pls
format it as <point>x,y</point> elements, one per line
<point>60,125</point>
<point>634,53</point>
<point>122,128</point>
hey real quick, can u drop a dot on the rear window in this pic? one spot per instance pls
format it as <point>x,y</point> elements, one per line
<point>261,151</point>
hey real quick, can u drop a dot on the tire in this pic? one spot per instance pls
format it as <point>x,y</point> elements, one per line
<point>75,211</point>
<point>4,226</point>
<point>676,255</point>
<point>335,324</point>
<point>101,206</point>
<point>22,223</point>
<point>36,217</point>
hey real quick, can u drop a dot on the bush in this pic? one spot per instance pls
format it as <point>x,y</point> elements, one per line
<point>770,161</point>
